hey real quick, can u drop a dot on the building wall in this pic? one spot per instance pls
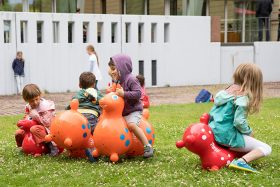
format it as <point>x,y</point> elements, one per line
<point>57,66</point>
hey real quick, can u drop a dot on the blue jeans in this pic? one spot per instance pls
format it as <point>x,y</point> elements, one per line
<point>92,120</point>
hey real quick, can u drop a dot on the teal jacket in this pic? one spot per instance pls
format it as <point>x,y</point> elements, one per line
<point>85,103</point>
<point>229,119</point>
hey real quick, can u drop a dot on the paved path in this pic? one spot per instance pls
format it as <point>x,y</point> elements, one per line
<point>12,105</point>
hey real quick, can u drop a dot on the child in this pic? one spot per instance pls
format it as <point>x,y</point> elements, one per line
<point>18,67</point>
<point>120,69</point>
<point>94,64</point>
<point>88,103</point>
<point>229,116</point>
<point>40,110</point>
<point>144,98</point>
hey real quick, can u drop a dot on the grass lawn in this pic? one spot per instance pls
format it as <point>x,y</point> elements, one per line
<point>169,167</point>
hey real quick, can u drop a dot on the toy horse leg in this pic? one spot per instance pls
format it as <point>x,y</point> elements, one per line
<point>114,157</point>
<point>95,153</point>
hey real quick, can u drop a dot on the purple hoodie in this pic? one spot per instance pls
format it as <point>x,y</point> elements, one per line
<point>130,84</point>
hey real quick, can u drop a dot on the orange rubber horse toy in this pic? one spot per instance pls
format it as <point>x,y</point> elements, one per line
<point>71,130</point>
<point>111,135</point>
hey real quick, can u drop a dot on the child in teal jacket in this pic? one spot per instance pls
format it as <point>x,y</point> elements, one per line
<point>229,116</point>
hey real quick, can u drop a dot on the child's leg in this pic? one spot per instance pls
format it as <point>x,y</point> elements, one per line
<point>19,135</point>
<point>21,83</point>
<point>39,133</point>
<point>18,83</point>
<point>133,120</point>
<point>255,149</point>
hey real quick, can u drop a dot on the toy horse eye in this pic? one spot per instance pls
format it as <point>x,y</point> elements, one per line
<point>115,97</point>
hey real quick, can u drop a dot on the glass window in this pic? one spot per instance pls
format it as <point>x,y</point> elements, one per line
<point>176,7</point>
<point>156,7</point>
<point>23,31</point>
<point>40,5</point>
<point>40,26</point>
<point>135,7</point>
<point>11,5</point>
<point>114,7</point>
<point>7,31</point>
<point>66,6</point>
<point>127,32</point>
<point>100,32</point>
<point>198,7</point>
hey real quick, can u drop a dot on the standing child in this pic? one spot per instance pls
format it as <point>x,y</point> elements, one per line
<point>229,116</point>
<point>144,98</point>
<point>88,103</point>
<point>40,110</point>
<point>120,68</point>
<point>18,67</point>
<point>94,64</point>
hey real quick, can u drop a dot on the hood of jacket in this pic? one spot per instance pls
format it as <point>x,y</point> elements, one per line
<point>123,64</point>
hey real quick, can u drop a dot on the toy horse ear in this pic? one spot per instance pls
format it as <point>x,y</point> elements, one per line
<point>74,104</point>
<point>68,142</point>
<point>205,118</point>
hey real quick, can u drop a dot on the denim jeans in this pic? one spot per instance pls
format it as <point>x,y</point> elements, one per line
<point>92,120</point>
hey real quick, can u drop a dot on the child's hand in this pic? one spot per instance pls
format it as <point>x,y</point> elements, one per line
<point>34,114</point>
<point>120,92</point>
<point>252,134</point>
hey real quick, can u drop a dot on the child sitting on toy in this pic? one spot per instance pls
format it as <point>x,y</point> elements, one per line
<point>120,69</point>
<point>229,116</point>
<point>88,102</point>
<point>144,98</point>
<point>40,110</point>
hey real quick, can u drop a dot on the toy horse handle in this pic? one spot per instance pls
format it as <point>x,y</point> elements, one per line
<point>205,118</point>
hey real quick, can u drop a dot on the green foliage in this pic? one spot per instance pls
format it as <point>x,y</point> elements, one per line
<point>169,167</point>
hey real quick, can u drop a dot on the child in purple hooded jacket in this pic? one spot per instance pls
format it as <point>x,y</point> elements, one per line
<point>120,69</point>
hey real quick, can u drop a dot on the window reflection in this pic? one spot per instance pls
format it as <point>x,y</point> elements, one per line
<point>11,5</point>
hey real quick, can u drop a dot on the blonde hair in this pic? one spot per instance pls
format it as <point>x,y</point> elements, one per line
<point>91,48</point>
<point>30,91</point>
<point>250,78</point>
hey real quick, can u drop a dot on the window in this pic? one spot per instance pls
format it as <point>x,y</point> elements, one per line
<point>23,31</point>
<point>114,29</point>
<point>7,31</point>
<point>85,32</point>
<point>166,32</point>
<point>55,32</point>
<point>140,32</point>
<point>135,7</point>
<point>40,32</point>
<point>40,5</point>
<point>154,32</point>
<point>66,6</point>
<point>154,72</point>
<point>100,32</point>
<point>127,32</point>
<point>156,7</point>
<point>141,67</point>
<point>70,32</point>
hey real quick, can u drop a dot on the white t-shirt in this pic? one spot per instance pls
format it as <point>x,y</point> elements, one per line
<point>93,67</point>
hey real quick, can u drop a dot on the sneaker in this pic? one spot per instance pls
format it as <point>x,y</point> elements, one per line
<point>89,155</point>
<point>53,149</point>
<point>19,139</point>
<point>241,165</point>
<point>148,151</point>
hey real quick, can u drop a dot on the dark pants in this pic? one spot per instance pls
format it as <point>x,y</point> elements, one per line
<point>278,38</point>
<point>264,22</point>
<point>92,120</point>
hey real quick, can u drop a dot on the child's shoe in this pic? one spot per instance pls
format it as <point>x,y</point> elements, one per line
<point>241,165</point>
<point>19,139</point>
<point>88,153</point>
<point>148,151</point>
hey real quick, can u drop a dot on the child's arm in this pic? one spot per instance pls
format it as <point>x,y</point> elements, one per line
<point>134,91</point>
<point>44,118</point>
<point>240,120</point>
<point>14,64</point>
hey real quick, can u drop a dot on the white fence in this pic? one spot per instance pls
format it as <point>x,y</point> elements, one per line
<point>169,50</point>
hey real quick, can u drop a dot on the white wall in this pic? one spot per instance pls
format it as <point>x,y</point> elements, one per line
<point>189,58</point>
<point>56,66</point>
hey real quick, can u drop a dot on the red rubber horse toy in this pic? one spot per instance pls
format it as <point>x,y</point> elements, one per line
<point>29,145</point>
<point>199,139</point>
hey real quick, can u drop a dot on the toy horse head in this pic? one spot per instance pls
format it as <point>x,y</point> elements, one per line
<point>112,103</point>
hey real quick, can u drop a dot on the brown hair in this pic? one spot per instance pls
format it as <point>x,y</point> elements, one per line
<point>87,80</point>
<point>250,78</point>
<point>91,48</point>
<point>111,62</point>
<point>19,52</point>
<point>141,79</point>
<point>30,91</point>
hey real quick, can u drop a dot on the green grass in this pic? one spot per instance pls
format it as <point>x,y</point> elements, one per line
<point>169,167</point>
